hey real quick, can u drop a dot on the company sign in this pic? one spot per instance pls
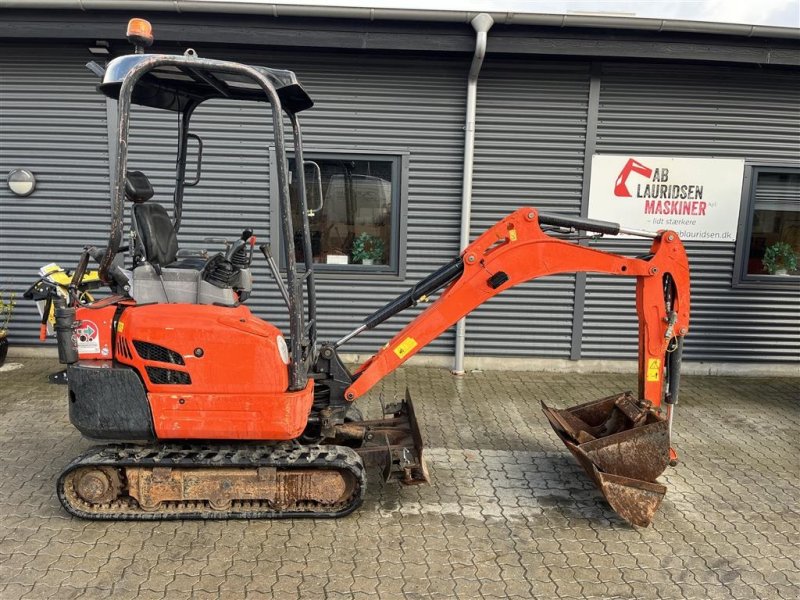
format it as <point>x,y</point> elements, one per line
<point>697,197</point>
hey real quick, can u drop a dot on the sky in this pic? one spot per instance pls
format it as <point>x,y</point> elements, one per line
<point>783,13</point>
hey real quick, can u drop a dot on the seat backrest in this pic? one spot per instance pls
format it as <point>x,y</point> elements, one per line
<point>137,187</point>
<point>157,237</point>
<point>156,233</point>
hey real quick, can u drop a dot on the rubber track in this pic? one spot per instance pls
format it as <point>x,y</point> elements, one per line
<point>285,456</point>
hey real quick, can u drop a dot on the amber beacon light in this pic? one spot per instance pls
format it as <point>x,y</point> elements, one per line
<point>140,34</point>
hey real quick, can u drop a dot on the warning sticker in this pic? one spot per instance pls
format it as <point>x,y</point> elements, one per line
<point>87,338</point>
<point>404,347</point>
<point>653,369</point>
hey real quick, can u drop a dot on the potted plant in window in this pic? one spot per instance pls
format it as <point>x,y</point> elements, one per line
<point>779,259</point>
<point>367,249</point>
<point>7,305</point>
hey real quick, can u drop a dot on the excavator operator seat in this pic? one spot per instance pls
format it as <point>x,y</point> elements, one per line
<point>156,236</point>
<point>158,274</point>
<point>156,233</point>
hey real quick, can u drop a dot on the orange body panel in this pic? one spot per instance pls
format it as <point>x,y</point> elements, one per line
<point>276,416</point>
<point>228,376</point>
<point>224,350</point>
<point>518,247</point>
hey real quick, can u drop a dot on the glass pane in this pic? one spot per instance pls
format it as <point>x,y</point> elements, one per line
<point>775,242</point>
<point>354,224</point>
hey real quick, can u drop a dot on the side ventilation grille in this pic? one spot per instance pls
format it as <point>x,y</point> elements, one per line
<point>161,376</point>
<point>122,348</point>
<point>157,353</point>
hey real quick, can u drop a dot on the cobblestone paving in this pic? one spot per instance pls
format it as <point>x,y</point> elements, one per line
<point>508,515</point>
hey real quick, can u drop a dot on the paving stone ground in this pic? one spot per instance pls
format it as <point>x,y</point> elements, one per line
<point>508,514</point>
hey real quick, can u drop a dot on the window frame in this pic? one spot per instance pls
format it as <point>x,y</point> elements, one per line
<point>396,269</point>
<point>741,278</point>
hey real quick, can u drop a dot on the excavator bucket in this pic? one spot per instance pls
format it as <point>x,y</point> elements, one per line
<point>623,445</point>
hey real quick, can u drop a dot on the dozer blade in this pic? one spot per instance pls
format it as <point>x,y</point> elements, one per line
<point>622,446</point>
<point>394,443</point>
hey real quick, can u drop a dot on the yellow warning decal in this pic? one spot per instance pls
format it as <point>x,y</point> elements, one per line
<point>512,235</point>
<point>653,369</point>
<point>120,327</point>
<point>404,347</point>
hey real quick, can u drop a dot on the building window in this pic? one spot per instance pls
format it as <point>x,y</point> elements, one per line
<point>356,221</point>
<point>769,240</point>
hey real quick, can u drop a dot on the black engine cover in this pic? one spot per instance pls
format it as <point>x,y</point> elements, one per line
<point>107,401</point>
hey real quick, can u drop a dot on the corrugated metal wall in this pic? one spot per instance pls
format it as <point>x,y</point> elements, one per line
<point>411,105</point>
<point>53,123</point>
<point>530,141</point>
<point>530,137</point>
<point>407,103</point>
<point>743,112</point>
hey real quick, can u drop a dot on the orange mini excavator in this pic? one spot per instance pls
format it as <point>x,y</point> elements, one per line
<point>206,411</point>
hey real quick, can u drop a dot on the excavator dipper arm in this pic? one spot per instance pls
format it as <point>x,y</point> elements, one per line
<point>516,250</point>
<point>621,441</point>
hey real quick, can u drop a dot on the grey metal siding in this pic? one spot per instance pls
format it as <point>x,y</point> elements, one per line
<point>410,104</point>
<point>750,113</point>
<point>53,123</point>
<point>530,138</point>
<point>530,144</point>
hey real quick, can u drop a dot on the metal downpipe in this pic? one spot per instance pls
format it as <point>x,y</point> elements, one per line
<point>482,23</point>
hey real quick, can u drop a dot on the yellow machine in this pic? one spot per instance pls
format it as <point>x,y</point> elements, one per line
<point>53,278</point>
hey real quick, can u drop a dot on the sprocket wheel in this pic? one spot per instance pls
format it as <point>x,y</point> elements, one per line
<point>98,485</point>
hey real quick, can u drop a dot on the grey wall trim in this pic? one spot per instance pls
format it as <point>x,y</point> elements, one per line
<point>744,225</point>
<point>591,143</point>
<point>431,36</point>
<point>255,7</point>
<point>627,45</point>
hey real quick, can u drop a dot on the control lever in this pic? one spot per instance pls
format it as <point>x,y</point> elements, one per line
<point>237,247</point>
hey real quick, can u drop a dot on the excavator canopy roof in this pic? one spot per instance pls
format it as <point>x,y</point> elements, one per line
<point>176,87</point>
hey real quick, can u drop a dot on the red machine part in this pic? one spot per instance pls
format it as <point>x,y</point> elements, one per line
<point>180,351</point>
<point>517,250</point>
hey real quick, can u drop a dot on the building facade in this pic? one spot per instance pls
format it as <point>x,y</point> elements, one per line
<point>387,131</point>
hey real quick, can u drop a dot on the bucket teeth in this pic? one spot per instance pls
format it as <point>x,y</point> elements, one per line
<point>623,446</point>
<point>634,500</point>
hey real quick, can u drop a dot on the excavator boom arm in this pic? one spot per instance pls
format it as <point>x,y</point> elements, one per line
<point>516,250</point>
